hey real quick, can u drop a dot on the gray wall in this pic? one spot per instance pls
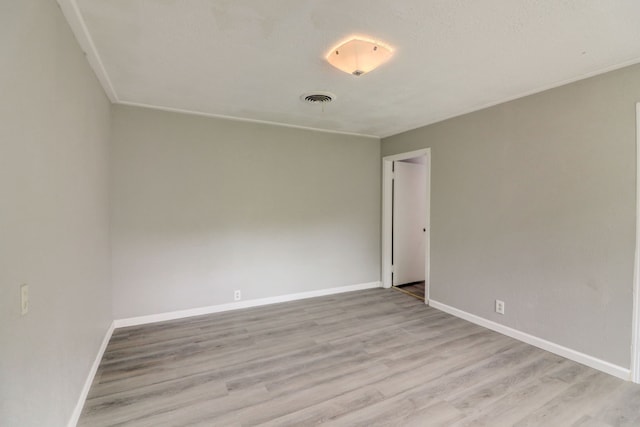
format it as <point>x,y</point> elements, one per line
<point>533,202</point>
<point>202,206</point>
<point>54,131</point>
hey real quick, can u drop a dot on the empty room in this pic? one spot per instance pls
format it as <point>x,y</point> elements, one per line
<point>319,212</point>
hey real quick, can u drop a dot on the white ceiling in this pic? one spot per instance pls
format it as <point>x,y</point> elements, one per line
<point>252,59</point>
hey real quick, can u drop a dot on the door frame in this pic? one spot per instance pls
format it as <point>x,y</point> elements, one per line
<point>635,326</point>
<point>387,216</point>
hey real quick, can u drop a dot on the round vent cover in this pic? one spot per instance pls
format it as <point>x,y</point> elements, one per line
<point>318,97</point>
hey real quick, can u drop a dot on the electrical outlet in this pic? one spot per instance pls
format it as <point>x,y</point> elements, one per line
<point>237,295</point>
<point>24,299</point>
<point>499,306</point>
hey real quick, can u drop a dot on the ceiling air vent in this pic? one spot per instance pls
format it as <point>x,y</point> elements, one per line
<point>318,97</point>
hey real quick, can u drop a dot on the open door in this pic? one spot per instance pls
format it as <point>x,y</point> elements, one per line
<point>422,202</point>
<point>409,225</point>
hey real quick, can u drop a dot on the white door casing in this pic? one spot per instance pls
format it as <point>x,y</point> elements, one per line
<point>635,319</point>
<point>409,226</point>
<point>387,211</point>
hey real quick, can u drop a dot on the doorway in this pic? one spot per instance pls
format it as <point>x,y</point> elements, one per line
<point>405,221</point>
<point>408,226</point>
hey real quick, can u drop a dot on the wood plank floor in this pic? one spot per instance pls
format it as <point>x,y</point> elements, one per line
<point>368,358</point>
<point>414,289</point>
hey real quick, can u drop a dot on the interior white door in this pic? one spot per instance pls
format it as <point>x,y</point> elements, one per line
<point>409,222</point>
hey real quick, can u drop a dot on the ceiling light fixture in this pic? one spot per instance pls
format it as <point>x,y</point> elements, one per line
<point>359,55</point>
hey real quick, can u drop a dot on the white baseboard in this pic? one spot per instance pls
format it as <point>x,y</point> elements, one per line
<point>576,356</point>
<point>75,415</point>
<point>172,315</point>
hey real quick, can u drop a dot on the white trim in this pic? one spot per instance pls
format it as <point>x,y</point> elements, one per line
<point>387,215</point>
<point>242,119</point>
<point>407,155</point>
<point>75,415</point>
<point>180,314</point>
<point>635,325</point>
<point>576,356</point>
<point>74,18</point>
<point>427,247</point>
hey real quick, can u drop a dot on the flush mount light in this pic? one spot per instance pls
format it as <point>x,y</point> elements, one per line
<point>358,55</point>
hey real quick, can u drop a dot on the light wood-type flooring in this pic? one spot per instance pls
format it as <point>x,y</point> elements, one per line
<point>416,289</point>
<point>368,358</point>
